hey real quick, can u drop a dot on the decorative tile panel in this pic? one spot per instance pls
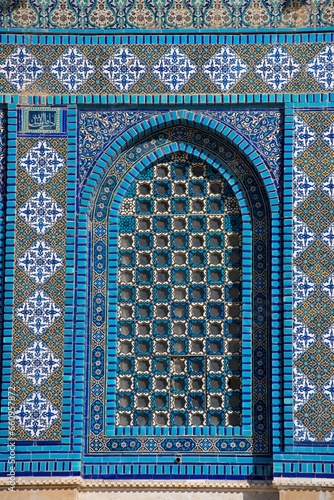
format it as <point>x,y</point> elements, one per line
<point>313,275</point>
<point>139,442</point>
<point>39,287</point>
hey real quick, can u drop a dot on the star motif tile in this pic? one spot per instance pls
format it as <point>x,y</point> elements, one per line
<point>225,68</point>
<point>174,69</point>
<point>302,287</point>
<point>303,389</point>
<point>38,312</point>
<point>317,312</point>
<point>328,286</point>
<point>317,415</point>
<point>21,68</point>
<point>303,136</point>
<point>37,363</point>
<point>322,67</point>
<point>328,338</point>
<point>40,262</point>
<point>124,69</point>
<point>303,186</point>
<point>328,390</point>
<point>36,414</point>
<point>317,211</point>
<point>316,261</point>
<point>328,136</point>
<point>317,363</point>
<point>72,69</point>
<point>277,68</point>
<point>303,338</point>
<point>302,236</point>
<point>41,212</point>
<point>42,162</point>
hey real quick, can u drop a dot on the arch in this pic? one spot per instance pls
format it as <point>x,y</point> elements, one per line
<point>169,119</point>
<point>153,156</point>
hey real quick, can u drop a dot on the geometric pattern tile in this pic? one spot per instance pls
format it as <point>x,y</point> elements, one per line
<point>225,68</point>
<point>303,388</point>
<point>317,415</point>
<point>124,69</point>
<point>302,186</point>
<point>303,135</point>
<point>317,211</point>
<point>42,162</point>
<point>40,262</point>
<point>21,68</point>
<point>328,338</point>
<point>316,261</point>
<point>36,414</point>
<point>328,186</point>
<point>37,363</point>
<point>302,287</point>
<point>328,286</point>
<point>41,212</point>
<point>328,136</point>
<point>317,363</point>
<point>72,69</point>
<point>317,312</point>
<point>317,161</point>
<point>302,236</point>
<point>277,68</point>
<point>303,338</point>
<point>328,389</point>
<point>38,312</point>
<point>174,69</point>
<point>321,67</point>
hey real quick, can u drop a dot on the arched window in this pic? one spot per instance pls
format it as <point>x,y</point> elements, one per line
<point>179,298</point>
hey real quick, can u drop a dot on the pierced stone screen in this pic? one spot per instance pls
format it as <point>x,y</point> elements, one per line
<point>179,299</point>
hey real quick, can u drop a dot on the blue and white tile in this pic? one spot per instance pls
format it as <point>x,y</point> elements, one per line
<point>300,433</point>
<point>303,338</point>
<point>303,186</point>
<point>328,186</point>
<point>303,136</point>
<point>328,286</point>
<point>37,363</point>
<point>21,68</point>
<point>302,287</point>
<point>277,68</point>
<point>225,68</point>
<point>124,69</point>
<point>36,414</point>
<point>328,390</point>
<point>38,312</point>
<point>328,338</point>
<point>328,236</point>
<point>328,136</point>
<point>303,389</point>
<point>322,67</point>
<point>41,212</point>
<point>302,236</point>
<point>174,69</point>
<point>72,69</point>
<point>40,262</point>
<point>42,162</point>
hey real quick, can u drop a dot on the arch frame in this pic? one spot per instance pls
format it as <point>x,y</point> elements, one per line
<point>274,207</point>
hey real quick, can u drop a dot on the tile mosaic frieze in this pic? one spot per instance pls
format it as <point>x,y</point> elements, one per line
<point>100,439</point>
<point>166,68</point>
<point>39,287</point>
<point>180,14</point>
<point>313,275</point>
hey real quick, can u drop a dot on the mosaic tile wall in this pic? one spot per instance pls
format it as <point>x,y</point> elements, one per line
<point>3,154</point>
<point>39,286</point>
<point>180,14</point>
<point>313,275</point>
<point>165,68</point>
